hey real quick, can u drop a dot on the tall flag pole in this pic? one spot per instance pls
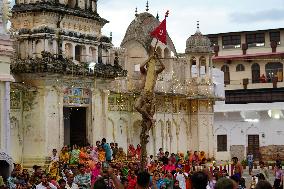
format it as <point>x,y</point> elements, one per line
<point>160,33</point>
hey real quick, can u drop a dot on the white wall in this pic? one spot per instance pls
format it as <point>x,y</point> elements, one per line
<point>230,121</point>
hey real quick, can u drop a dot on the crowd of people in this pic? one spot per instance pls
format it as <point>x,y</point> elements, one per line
<point>106,166</point>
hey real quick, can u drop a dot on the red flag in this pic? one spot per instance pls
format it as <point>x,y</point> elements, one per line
<point>160,32</point>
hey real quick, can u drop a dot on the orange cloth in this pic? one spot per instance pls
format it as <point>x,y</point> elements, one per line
<point>101,156</point>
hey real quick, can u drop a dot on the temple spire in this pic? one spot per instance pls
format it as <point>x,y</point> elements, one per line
<point>197,27</point>
<point>147,6</point>
<point>158,17</point>
<point>136,11</point>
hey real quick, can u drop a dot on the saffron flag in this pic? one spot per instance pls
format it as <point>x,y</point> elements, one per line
<point>160,32</point>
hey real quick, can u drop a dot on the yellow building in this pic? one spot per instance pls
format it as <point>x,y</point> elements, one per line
<point>251,118</point>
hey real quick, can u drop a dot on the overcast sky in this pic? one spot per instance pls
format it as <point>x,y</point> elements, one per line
<point>215,16</point>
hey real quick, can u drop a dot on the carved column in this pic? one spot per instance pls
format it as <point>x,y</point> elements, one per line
<point>208,66</point>
<point>34,49</point>
<point>6,118</point>
<point>198,66</point>
<point>104,110</point>
<point>55,50</point>
<point>97,117</point>
<point>73,51</point>
<point>90,5</point>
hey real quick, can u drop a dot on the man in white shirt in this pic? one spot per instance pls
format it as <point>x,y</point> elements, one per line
<point>70,182</point>
<point>54,157</point>
<point>181,177</point>
<point>45,184</point>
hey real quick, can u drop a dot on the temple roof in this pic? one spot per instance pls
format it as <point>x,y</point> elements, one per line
<point>198,43</point>
<point>58,8</point>
<point>140,28</point>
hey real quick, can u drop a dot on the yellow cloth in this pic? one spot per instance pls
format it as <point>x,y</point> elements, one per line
<point>54,170</point>
<point>1,181</point>
<point>151,72</point>
<point>64,157</point>
<point>101,156</point>
<point>280,76</point>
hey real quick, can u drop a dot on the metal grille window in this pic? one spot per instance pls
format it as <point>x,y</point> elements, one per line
<point>213,40</point>
<point>231,41</point>
<point>240,68</point>
<point>255,39</point>
<point>221,143</point>
<point>275,36</point>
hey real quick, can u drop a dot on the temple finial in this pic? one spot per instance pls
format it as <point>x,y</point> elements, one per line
<point>198,26</point>
<point>167,14</point>
<point>158,17</point>
<point>136,11</point>
<point>147,6</point>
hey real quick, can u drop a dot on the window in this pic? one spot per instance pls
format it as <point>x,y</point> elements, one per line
<point>231,41</point>
<point>275,36</point>
<point>213,40</point>
<point>255,73</point>
<point>240,68</point>
<point>255,39</point>
<point>221,143</point>
<point>226,71</point>
<point>274,70</point>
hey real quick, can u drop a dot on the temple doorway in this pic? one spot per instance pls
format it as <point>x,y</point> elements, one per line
<point>4,169</point>
<point>75,127</point>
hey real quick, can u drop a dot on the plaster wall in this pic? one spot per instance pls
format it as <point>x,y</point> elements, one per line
<point>171,132</point>
<point>228,121</point>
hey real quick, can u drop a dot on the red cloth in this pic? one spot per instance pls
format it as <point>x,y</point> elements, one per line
<point>131,182</point>
<point>160,32</point>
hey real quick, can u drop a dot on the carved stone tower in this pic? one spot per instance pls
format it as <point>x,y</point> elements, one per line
<point>69,28</point>
<point>60,55</point>
<point>199,60</point>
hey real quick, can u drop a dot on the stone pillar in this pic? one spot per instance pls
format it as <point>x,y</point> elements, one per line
<point>208,70</point>
<point>198,66</point>
<point>5,116</point>
<point>104,110</point>
<point>73,51</point>
<point>55,45</point>
<point>34,49</point>
<point>210,135</point>
<point>188,67</point>
<point>97,54</point>
<point>97,117</point>
<point>46,48</point>
<point>87,54</point>
<point>54,123</point>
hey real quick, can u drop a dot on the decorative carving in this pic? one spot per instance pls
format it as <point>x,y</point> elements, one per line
<point>54,6</point>
<point>52,64</point>
<point>7,158</point>
<point>198,43</point>
<point>15,129</point>
<point>140,28</point>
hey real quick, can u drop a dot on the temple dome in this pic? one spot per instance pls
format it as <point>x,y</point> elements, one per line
<point>140,28</point>
<point>198,43</point>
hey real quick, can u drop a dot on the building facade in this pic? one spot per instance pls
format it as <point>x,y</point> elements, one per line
<point>73,87</point>
<point>250,120</point>
<point>6,53</point>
